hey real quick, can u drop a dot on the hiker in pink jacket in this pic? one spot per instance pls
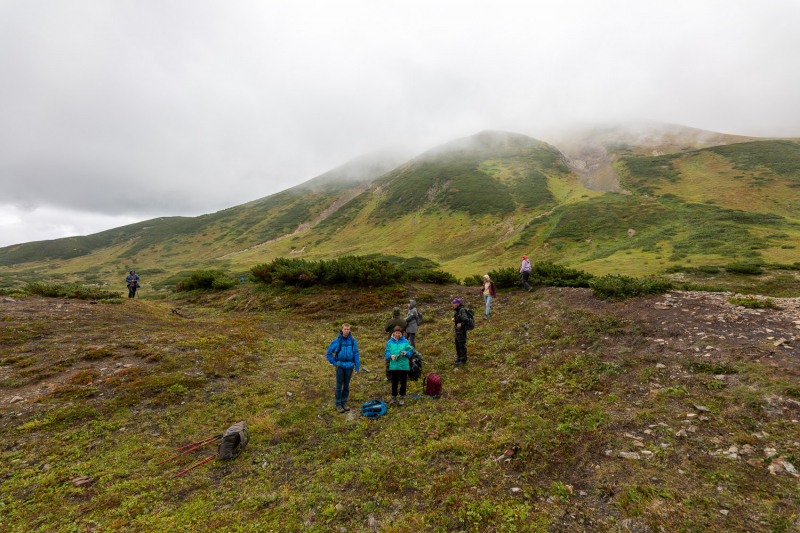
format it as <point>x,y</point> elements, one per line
<point>525,270</point>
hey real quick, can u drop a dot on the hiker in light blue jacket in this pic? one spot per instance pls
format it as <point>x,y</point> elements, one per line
<point>397,351</point>
<point>343,354</point>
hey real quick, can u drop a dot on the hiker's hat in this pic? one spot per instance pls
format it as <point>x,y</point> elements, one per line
<point>524,256</point>
<point>456,301</point>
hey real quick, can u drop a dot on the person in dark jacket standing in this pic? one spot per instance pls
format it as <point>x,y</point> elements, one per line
<point>460,319</point>
<point>343,354</point>
<point>132,281</point>
<point>488,291</point>
<point>390,325</point>
<point>412,323</point>
<point>525,270</point>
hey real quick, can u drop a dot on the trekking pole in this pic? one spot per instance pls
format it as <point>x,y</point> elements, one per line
<point>190,449</point>
<point>182,447</point>
<point>198,464</point>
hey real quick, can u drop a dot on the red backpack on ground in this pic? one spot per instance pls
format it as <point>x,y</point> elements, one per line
<point>432,385</point>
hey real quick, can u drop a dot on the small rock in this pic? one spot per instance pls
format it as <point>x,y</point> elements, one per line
<point>551,500</point>
<point>659,365</point>
<point>691,415</point>
<point>515,489</point>
<point>46,467</point>
<point>779,341</point>
<point>770,452</point>
<point>638,443</point>
<point>629,455</point>
<point>746,450</point>
<point>648,431</point>
<point>647,452</point>
<point>724,512</point>
<point>702,408</point>
<point>680,433</point>
<point>372,523</point>
<point>82,480</point>
<point>704,418</point>
<point>16,399</point>
<point>733,449</point>
<point>583,493</point>
<point>609,453</point>
<point>288,393</point>
<point>339,507</point>
<point>755,462</point>
<point>343,529</point>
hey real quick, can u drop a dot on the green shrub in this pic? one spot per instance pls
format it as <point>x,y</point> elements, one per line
<point>70,290</point>
<point>351,270</point>
<point>611,287</point>
<point>473,281</point>
<point>439,277</point>
<point>505,278</point>
<point>744,268</point>
<point>552,275</point>
<point>753,303</point>
<point>700,287</point>
<point>207,279</point>
<point>707,367</point>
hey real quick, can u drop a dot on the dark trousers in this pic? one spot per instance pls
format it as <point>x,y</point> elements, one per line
<point>401,377</point>
<point>412,337</point>
<point>131,292</point>
<point>461,345</point>
<point>343,376</point>
<point>525,276</point>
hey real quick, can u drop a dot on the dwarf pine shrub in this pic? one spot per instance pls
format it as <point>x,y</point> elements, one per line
<point>70,290</point>
<point>206,279</point>
<point>617,287</point>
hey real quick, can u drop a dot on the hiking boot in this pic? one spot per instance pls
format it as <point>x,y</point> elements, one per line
<point>486,317</point>
<point>401,401</point>
<point>339,409</point>
<point>345,407</point>
<point>393,401</point>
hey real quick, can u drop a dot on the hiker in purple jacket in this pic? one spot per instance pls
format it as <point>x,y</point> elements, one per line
<point>525,270</point>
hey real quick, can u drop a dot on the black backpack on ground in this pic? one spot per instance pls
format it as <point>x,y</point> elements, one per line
<point>233,442</point>
<point>415,365</point>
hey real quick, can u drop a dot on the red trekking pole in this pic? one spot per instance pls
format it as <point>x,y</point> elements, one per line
<point>204,461</point>
<point>208,441</point>
<point>182,447</point>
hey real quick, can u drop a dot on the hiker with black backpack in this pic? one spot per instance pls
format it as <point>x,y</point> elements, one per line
<point>398,351</point>
<point>343,354</point>
<point>413,321</point>
<point>463,321</point>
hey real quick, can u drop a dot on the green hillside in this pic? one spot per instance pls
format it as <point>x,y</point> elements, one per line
<point>472,205</point>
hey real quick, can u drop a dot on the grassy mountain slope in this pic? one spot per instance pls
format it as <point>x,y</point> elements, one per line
<point>475,204</point>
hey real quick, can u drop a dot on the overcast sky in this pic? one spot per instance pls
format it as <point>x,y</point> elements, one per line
<point>117,111</point>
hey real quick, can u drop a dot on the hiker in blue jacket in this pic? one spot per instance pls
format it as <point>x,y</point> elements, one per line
<point>343,354</point>
<point>132,281</point>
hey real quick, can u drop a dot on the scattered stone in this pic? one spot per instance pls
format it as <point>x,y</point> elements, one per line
<point>630,525</point>
<point>746,450</point>
<point>9,300</point>
<point>638,443</point>
<point>659,365</point>
<point>680,433</point>
<point>755,462</point>
<point>702,408</point>
<point>583,493</point>
<point>629,455</point>
<point>772,411</point>
<point>648,431</point>
<point>551,500</point>
<point>779,342</point>
<point>782,465</point>
<point>46,467</point>
<point>515,489</point>
<point>664,445</point>
<point>631,232</point>
<point>82,481</point>
<point>16,399</point>
<point>691,415</point>
<point>288,393</point>
<point>339,507</point>
<point>648,453</point>
<point>372,523</point>
<point>609,453</point>
<point>724,512</point>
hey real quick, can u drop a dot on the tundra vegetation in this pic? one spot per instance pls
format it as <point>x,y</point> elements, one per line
<point>573,413</point>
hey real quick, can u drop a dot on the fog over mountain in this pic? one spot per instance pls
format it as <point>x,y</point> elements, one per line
<point>118,112</point>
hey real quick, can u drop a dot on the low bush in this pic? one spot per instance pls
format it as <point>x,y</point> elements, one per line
<point>708,367</point>
<point>552,275</point>
<point>350,270</point>
<point>70,290</point>
<point>216,280</point>
<point>744,268</point>
<point>611,287</point>
<point>753,303</point>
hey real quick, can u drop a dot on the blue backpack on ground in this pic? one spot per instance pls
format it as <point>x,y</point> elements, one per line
<point>373,409</point>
